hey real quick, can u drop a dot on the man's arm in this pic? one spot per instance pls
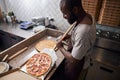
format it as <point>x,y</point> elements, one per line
<point>68,55</point>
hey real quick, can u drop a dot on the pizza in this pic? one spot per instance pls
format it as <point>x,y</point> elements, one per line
<point>39,64</point>
<point>45,44</point>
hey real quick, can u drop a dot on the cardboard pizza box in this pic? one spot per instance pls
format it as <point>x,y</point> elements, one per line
<point>51,53</point>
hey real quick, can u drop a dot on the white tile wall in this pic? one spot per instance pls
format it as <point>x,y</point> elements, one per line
<point>26,9</point>
<point>2,5</point>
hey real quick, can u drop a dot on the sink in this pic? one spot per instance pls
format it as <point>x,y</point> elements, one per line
<point>7,40</point>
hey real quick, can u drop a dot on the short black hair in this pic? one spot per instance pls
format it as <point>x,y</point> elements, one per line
<point>70,4</point>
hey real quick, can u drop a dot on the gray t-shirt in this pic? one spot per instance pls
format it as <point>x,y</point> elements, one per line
<point>82,39</point>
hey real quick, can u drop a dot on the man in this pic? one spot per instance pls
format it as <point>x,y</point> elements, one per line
<point>82,39</point>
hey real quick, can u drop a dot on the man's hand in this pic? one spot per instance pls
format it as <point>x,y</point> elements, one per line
<point>66,41</point>
<point>66,37</point>
<point>59,44</point>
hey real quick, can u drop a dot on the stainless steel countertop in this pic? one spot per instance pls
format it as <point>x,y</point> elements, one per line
<point>15,29</point>
<point>107,57</point>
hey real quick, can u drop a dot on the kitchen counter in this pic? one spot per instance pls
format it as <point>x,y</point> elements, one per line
<point>15,29</point>
<point>29,46</point>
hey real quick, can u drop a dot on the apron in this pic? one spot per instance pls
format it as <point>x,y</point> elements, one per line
<point>72,69</point>
<point>68,70</point>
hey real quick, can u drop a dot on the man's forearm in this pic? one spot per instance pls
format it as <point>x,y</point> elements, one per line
<point>67,55</point>
<point>65,52</point>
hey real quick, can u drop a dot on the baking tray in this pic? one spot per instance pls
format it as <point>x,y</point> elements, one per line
<point>21,59</point>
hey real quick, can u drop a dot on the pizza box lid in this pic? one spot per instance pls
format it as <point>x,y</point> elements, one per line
<point>51,53</point>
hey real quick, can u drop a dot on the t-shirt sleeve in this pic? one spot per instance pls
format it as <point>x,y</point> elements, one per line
<point>80,47</point>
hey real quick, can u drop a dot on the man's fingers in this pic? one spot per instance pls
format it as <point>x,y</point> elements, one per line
<point>59,37</point>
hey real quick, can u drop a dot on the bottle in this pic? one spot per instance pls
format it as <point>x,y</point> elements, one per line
<point>9,19</point>
<point>47,22</point>
<point>5,18</point>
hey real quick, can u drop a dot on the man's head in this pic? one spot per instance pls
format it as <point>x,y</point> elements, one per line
<point>72,10</point>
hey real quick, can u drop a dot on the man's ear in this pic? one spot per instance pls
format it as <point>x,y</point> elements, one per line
<point>75,10</point>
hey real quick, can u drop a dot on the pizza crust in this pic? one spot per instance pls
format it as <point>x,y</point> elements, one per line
<point>39,64</point>
<point>45,44</point>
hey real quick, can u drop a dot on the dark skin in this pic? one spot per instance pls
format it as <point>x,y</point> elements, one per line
<point>71,16</point>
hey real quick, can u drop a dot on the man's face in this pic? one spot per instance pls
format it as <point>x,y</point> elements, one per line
<point>69,15</point>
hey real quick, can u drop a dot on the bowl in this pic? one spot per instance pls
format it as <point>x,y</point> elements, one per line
<point>4,67</point>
